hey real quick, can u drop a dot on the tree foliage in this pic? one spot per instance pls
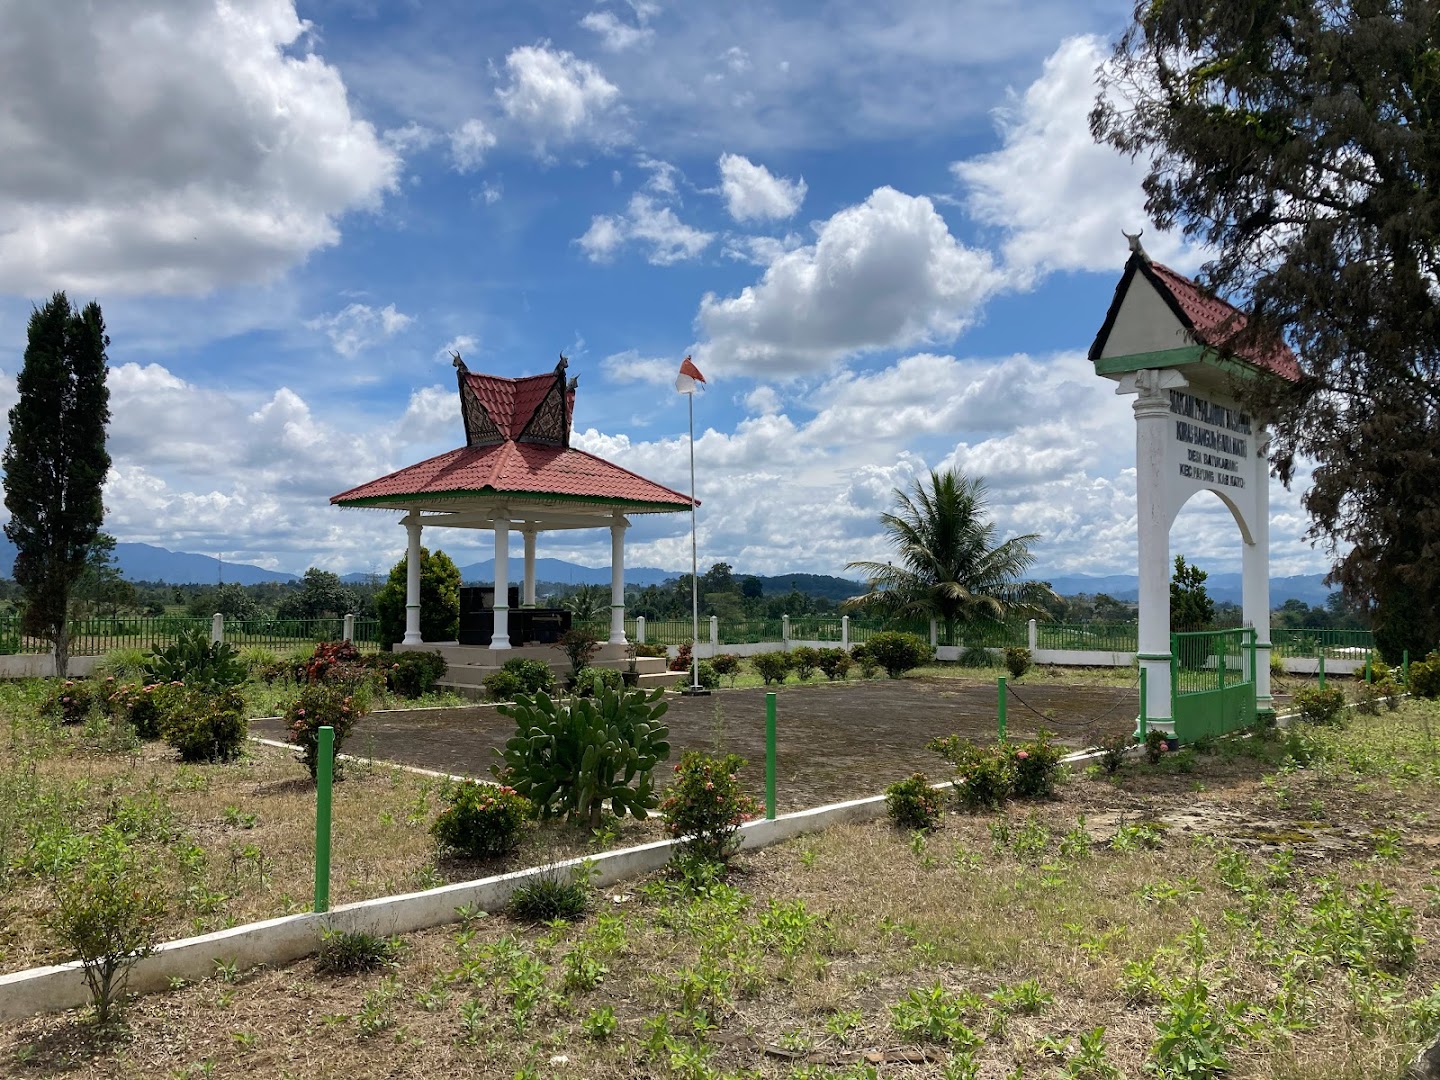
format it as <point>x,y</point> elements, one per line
<point>320,595</point>
<point>439,600</point>
<point>948,564</point>
<point>1190,605</point>
<point>55,462</point>
<point>1297,141</point>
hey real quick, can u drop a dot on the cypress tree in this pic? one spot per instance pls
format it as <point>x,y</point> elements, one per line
<point>55,463</point>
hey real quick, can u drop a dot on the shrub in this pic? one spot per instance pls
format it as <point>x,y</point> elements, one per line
<point>589,681</point>
<point>862,656</point>
<point>705,805</point>
<point>573,758</point>
<point>684,658</point>
<point>726,664</point>
<point>534,675</point>
<point>203,724</point>
<point>834,663</point>
<point>414,674</point>
<point>1113,747</point>
<point>70,702</point>
<point>771,666</point>
<point>984,775</point>
<point>1320,706</point>
<point>481,820</point>
<point>654,652</point>
<point>439,600</point>
<point>126,663</point>
<point>108,905</point>
<point>196,661</point>
<point>803,661</point>
<point>579,647</point>
<point>347,952</point>
<point>1156,745</point>
<point>1424,677</point>
<point>335,662</point>
<point>1277,665</point>
<point>258,659</point>
<point>912,803</point>
<point>976,656</point>
<point>552,895</point>
<point>1037,767</point>
<point>899,652</point>
<point>1017,661</point>
<point>501,686</point>
<point>323,704</point>
<point>140,706</point>
<point>709,677</point>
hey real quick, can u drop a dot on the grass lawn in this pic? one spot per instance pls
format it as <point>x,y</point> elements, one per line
<point>1268,908</point>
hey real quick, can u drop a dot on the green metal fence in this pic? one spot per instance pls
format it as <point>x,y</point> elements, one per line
<point>99,635</point>
<point>1091,637</point>
<point>1304,642</point>
<point>1212,682</point>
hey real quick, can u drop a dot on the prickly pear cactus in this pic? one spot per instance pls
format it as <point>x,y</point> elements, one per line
<point>573,757</point>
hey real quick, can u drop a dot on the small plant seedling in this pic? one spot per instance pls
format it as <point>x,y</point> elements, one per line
<point>600,1024</point>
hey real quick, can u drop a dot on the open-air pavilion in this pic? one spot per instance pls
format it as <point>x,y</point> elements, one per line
<point>516,472</point>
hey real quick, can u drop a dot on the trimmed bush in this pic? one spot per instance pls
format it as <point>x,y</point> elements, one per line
<point>728,665</point>
<point>705,805</point>
<point>414,674</point>
<point>912,803</point>
<point>320,705</point>
<point>899,652</point>
<point>984,775</point>
<point>803,661</point>
<point>501,685</point>
<point>590,681</point>
<point>1320,706</point>
<point>1424,677</point>
<point>771,666</point>
<point>534,675</point>
<point>203,725</point>
<point>709,677</point>
<point>834,664</point>
<point>863,657</point>
<point>70,702</point>
<point>1017,661</point>
<point>140,706</point>
<point>655,652</point>
<point>481,820</point>
<point>1037,767</point>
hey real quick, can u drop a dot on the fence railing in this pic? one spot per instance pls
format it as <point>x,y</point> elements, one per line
<point>1090,637</point>
<point>1304,642</point>
<point>98,635</point>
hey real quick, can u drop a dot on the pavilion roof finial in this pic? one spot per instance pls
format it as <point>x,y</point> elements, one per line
<point>1135,246</point>
<point>563,364</point>
<point>458,363</point>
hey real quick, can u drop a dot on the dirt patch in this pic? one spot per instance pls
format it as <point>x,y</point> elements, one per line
<point>834,741</point>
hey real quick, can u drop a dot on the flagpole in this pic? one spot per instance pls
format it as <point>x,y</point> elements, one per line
<point>694,560</point>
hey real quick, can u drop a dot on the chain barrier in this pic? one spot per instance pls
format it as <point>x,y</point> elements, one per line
<point>1074,725</point>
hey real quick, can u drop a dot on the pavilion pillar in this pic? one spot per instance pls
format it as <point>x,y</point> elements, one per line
<point>527,598</point>
<point>617,580</point>
<point>1152,520</point>
<point>1255,574</point>
<point>500,639</point>
<point>412,579</point>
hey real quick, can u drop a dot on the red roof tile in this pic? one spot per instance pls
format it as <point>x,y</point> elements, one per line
<point>510,402</point>
<point>526,469</point>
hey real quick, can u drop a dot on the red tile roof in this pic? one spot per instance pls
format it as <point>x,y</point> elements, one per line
<point>510,402</point>
<point>511,468</point>
<point>1210,320</point>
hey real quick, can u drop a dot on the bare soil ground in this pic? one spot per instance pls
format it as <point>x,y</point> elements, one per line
<point>834,741</point>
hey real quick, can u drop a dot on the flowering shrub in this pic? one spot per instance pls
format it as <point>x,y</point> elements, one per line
<point>984,775</point>
<point>141,707</point>
<point>70,702</point>
<point>912,803</point>
<point>684,660</point>
<point>414,674</point>
<point>334,662</point>
<point>481,820</point>
<point>1037,767</point>
<point>705,806</point>
<point>203,725</point>
<point>1112,747</point>
<point>323,704</point>
<point>1156,746</point>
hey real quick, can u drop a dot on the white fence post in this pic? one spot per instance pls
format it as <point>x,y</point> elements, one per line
<point>714,634</point>
<point>1032,636</point>
<point>640,629</point>
<point>217,628</point>
<point>349,627</point>
<point>934,634</point>
<point>785,631</point>
<point>845,632</point>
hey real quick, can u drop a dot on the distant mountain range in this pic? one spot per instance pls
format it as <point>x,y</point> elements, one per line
<point>145,562</point>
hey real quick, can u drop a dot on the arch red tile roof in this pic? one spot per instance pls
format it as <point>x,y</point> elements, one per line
<point>510,402</point>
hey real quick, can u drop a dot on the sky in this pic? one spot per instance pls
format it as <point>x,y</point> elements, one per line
<point>881,230</point>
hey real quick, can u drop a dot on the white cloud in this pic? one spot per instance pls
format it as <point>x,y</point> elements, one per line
<point>617,36</point>
<point>1058,197</point>
<point>558,98</point>
<point>173,149</point>
<point>357,327</point>
<point>630,367</point>
<point>753,193</point>
<point>649,224</point>
<point>763,400</point>
<point>460,343</point>
<point>469,143</point>
<point>883,274</point>
<point>761,250</point>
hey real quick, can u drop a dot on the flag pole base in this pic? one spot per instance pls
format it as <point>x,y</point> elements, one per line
<point>694,691</point>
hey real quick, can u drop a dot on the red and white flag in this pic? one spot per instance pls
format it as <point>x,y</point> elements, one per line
<point>688,377</point>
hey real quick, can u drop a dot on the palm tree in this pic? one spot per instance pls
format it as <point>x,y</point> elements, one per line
<point>588,603</point>
<point>948,566</point>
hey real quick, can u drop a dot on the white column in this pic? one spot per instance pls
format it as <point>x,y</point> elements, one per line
<point>785,630</point>
<point>217,628</point>
<point>1152,522</point>
<point>714,635</point>
<point>617,580</point>
<point>1032,637</point>
<point>845,632</point>
<point>640,629</point>
<point>500,639</point>
<point>1255,574</point>
<point>528,597</point>
<point>934,634</point>
<point>412,580</point>
<point>349,627</point>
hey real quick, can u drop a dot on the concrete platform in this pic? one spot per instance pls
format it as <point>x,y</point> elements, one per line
<point>467,666</point>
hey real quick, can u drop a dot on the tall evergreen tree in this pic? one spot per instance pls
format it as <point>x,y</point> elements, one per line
<point>55,463</point>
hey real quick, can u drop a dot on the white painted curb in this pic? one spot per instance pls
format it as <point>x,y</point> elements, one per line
<point>282,940</point>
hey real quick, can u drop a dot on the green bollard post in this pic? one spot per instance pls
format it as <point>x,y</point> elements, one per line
<point>1368,677</point>
<point>1144,719</point>
<point>770,756</point>
<point>324,773</point>
<point>1322,671</point>
<point>1001,685</point>
<point>1405,666</point>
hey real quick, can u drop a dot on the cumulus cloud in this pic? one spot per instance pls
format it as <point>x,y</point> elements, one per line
<point>357,327</point>
<point>630,367</point>
<point>616,35</point>
<point>753,193</point>
<point>469,143</point>
<point>886,273</point>
<point>1059,199</point>
<point>173,148</point>
<point>648,224</point>
<point>558,98</point>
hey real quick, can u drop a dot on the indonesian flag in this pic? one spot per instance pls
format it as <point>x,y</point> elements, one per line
<point>688,377</point>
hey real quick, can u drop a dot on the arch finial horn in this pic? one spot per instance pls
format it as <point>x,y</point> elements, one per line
<point>1135,246</point>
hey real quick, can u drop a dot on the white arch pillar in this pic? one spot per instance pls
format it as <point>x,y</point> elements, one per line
<point>500,638</point>
<point>412,579</point>
<point>1255,574</point>
<point>527,598</point>
<point>617,580</point>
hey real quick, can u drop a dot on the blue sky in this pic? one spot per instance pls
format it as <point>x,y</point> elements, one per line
<point>881,230</point>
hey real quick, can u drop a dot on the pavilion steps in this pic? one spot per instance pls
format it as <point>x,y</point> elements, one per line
<point>467,666</point>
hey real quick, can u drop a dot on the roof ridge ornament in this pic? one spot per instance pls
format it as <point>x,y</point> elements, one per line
<point>458,363</point>
<point>1136,247</point>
